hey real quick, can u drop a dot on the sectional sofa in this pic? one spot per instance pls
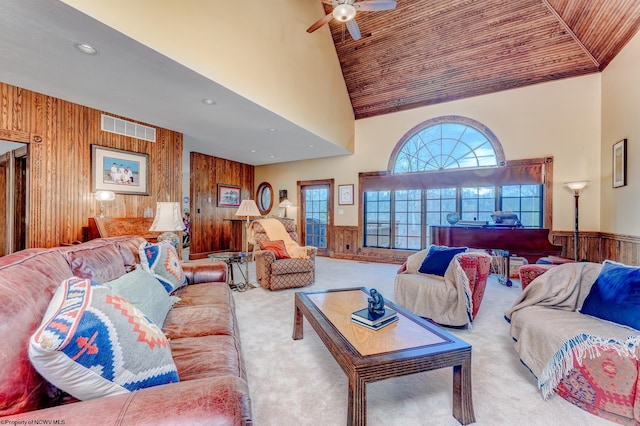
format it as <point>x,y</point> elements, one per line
<point>201,334</point>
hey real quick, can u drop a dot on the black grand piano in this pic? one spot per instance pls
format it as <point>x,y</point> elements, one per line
<point>530,243</point>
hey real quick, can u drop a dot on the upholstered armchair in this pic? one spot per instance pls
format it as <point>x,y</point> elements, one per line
<point>452,299</point>
<point>273,271</point>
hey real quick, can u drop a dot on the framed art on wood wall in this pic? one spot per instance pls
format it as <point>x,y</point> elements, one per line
<point>345,194</point>
<point>123,172</point>
<point>620,163</point>
<point>228,195</point>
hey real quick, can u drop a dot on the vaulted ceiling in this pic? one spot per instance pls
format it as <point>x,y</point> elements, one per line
<point>430,51</point>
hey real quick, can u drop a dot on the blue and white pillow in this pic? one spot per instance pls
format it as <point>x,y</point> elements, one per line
<point>93,343</point>
<point>161,260</point>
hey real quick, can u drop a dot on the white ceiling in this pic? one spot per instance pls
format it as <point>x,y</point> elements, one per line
<point>126,78</point>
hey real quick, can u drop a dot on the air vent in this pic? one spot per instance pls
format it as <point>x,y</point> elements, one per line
<point>127,128</point>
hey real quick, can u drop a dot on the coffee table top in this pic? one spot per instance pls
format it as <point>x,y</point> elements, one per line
<point>409,334</point>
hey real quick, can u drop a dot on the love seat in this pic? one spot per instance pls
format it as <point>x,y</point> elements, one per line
<point>589,361</point>
<point>202,330</point>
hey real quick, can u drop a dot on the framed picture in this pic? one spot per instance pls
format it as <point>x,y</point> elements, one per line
<point>123,172</point>
<point>620,163</point>
<point>229,195</point>
<point>345,193</point>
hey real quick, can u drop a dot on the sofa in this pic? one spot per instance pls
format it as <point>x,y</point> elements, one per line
<point>452,299</point>
<point>570,330</point>
<point>201,333</point>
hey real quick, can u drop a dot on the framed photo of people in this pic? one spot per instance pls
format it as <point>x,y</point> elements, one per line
<point>123,172</point>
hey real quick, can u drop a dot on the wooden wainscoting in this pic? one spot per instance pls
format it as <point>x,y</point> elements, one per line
<point>599,246</point>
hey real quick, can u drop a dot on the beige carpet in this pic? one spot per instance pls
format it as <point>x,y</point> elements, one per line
<point>299,382</point>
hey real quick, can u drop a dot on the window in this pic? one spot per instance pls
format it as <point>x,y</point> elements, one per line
<point>524,200</point>
<point>448,165</point>
<point>446,143</point>
<point>377,212</point>
<point>408,219</point>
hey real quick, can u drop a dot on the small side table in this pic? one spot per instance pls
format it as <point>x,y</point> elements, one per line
<point>231,258</point>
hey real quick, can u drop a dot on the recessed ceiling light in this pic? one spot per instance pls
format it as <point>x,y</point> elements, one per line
<point>272,129</point>
<point>272,156</point>
<point>253,150</point>
<point>208,101</point>
<point>86,48</point>
<point>311,146</point>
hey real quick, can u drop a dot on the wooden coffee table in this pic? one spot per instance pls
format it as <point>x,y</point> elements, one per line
<point>410,345</point>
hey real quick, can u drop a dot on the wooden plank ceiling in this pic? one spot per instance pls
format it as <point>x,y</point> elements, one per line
<point>430,51</point>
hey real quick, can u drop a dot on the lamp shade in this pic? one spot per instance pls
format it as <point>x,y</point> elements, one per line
<point>105,195</point>
<point>168,217</point>
<point>285,203</point>
<point>248,208</point>
<point>577,185</point>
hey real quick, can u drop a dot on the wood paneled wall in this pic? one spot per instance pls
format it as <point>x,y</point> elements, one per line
<point>60,133</point>
<point>209,230</point>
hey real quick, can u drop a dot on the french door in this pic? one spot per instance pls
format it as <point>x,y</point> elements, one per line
<point>316,213</point>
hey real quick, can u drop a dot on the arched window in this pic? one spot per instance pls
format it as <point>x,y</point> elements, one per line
<point>444,170</point>
<point>450,142</point>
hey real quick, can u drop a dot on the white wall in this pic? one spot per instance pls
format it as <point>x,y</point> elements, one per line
<point>621,120</point>
<point>257,48</point>
<point>559,119</point>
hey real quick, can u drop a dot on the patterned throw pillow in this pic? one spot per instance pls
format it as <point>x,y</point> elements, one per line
<point>277,247</point>
<point>93,343</point>
<point>145,292</point>
<point>161,260</point>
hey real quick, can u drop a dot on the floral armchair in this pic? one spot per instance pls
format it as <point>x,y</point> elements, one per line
<point>274,272</point>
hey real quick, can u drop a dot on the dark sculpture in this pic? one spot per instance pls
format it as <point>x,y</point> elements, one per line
<point>376,303</point>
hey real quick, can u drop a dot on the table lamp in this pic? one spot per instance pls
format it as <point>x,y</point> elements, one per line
<point>168,220</point>
<point>248,208</point>
<point>285,204</point>
<point>103,196</point>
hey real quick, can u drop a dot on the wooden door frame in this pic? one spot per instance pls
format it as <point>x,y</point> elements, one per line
<point>25,138</point>
<point>301,222</point>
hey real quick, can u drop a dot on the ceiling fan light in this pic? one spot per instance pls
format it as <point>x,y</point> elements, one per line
<point>344,12</point>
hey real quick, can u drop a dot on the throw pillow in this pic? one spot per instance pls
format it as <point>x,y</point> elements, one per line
<point>93,343</point>
<point>438,258</point>
<point>161,260</point>
<point>145,292</point>
<point>277,247</point>
<point>615,296</point>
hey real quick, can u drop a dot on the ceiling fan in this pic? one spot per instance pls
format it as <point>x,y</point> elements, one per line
<point>345,11</point>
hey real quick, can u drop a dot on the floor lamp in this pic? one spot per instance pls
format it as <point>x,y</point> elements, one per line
<point>576,186</point>
<point>248,208</point>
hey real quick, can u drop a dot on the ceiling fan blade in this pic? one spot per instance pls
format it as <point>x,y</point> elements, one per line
<point>320,22</point>
<point>352,26</point>
<point>373,5</point>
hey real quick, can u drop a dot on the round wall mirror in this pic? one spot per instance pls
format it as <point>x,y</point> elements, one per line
<point>264,197</point>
